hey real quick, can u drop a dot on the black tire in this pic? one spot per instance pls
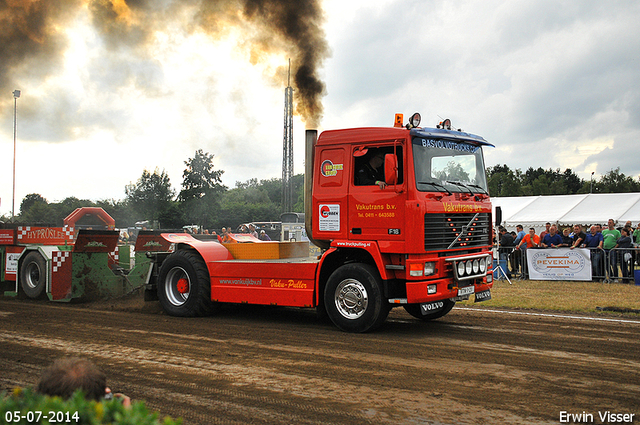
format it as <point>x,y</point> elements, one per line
<point>416,311</point>
<point>33,275</point>
<point>354,300</point>
<point>184,285</point>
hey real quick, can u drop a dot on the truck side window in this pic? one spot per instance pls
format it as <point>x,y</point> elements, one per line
<point>370,167</point>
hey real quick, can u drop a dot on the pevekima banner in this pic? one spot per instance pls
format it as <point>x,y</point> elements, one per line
<point>559,264</point>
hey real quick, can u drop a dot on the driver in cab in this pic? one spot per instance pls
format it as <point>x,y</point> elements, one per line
<point>372,171</point>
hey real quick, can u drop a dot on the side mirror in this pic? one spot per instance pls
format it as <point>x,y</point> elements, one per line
<point>390,169</point>
<point>498,216</point>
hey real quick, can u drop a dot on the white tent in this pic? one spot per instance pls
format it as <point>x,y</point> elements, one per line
<point>566,210</point>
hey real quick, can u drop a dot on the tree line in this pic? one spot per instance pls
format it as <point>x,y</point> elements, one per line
<point>503,181</point>
<point>203,200</point>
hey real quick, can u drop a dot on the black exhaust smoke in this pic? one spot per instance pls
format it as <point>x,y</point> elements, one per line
<point>33,41</point>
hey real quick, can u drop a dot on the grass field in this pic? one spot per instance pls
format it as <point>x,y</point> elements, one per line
<point>578,297</point>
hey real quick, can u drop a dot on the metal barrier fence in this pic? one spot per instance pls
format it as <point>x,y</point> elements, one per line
<point>623,260</point>
<point>611,265</point>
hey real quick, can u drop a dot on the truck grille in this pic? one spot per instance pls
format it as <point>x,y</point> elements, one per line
<point>441,230</point>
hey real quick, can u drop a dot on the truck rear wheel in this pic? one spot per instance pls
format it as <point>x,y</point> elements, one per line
<point>353,298</point>
<point>184,285</point>
<point>416,311</point>
<point>33,275</point>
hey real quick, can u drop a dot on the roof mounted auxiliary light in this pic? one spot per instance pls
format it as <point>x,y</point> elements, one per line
<point>446,124</point>
<point>414,121</point>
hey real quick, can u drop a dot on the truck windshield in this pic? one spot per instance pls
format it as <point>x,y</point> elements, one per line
<point>448,166</point>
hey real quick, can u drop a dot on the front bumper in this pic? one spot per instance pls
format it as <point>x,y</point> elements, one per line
<point>417,292</point>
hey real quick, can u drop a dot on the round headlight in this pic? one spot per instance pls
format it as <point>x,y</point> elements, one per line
<point>461,268</point>
<point>483,265</point>
<point>476,266</point>
<point>469,267</point>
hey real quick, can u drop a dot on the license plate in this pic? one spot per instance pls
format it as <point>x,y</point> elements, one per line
<point>467,290</point>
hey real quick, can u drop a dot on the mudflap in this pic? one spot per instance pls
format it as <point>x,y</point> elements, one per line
<point>152,261</point>
<point>432,307</point>
<point>151,295</point>
<point>483,295</point>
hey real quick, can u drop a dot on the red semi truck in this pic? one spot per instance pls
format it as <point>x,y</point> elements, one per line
<point>420,237</point>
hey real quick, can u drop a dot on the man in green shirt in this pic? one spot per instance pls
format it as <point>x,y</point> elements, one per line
<point>610,236</point>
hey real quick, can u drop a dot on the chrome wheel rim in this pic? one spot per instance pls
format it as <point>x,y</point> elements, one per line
<point>351,299</point>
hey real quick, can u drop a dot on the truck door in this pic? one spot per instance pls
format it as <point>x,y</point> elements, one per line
<point>330,194</point>
<point>376,211</point>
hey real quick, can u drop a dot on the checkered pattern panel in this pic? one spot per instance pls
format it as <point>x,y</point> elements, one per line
<point>23,231</point>
<point>68,231</point>
<point>115,254</point>
<point>59,257</point>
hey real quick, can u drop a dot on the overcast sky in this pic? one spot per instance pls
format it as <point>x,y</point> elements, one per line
<point>109,93</point>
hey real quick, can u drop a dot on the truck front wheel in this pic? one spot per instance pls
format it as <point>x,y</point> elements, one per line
<point>184,285</point>
<point>33,275</point>
<point>353,298</point>
<point>416,311</point>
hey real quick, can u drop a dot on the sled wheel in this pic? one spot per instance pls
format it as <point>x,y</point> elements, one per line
<point>33,275</point>
<point>184,285</point>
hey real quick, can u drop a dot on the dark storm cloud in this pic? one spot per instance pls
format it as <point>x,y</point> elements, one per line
<point>544,80</point>
<point>26,30</point>
<point>29,40</point>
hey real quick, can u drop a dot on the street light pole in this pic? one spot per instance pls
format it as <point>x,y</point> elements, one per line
<point>16,95</point>
<point>591,190</point>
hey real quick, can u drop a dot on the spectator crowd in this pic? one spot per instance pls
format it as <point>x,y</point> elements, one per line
<point>613,250</point>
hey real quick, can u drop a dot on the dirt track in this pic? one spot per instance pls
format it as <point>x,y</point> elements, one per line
<point>264,365</point>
